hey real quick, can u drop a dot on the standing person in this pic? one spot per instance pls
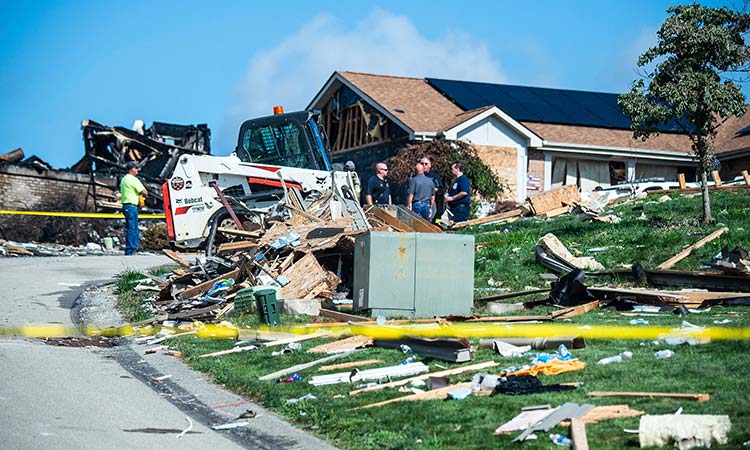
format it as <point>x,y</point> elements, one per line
<point>437,205</point>
<point>421,198</point>
<point>378,191</point>
<point>350,167</point>
<point>131,189</point>
<point>458,197</point>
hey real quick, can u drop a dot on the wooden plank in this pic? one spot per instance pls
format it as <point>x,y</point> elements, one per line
<point>695,190</point>
<point>300,338</point>
<point>424,376</point>
<point>206,285</point>
<point>489,219</point>
<point>349,343</point>
<point>389,220</point>
<point>681,180</point>
<point>236,246</point>
<point>245,348</point>
<point>684,254</point>
<point>434,394</point>
<point>175,257</point>
<point>575,310</point>
<point>578,434</point>
<point>343,317</point>
<point>554,199</point>
<point>746,177</point>
<point>599,413</point>
<point>716,177</point>
<point>304,214</point>
<point>350,364</point>
<point>556,212</point>
<point>243,233</point>
<point>695,397</point>
<point>303,366</point>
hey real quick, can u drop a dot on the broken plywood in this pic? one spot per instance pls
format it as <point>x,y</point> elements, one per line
<point>305,276</point>
<point>554,199</point>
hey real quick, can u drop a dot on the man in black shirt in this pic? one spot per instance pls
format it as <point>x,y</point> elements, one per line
<point>378,191</point>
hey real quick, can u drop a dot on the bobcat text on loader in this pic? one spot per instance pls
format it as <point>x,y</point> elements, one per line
<point>276,157</point>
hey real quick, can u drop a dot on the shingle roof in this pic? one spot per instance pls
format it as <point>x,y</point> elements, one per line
<point>734,134</point>
<point>412,100</point>
<point>571,134</point>
<point>419,106</point>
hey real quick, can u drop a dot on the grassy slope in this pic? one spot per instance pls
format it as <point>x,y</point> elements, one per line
<point>718,368</point>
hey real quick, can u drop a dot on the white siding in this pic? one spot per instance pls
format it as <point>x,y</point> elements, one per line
<point>492,131</point>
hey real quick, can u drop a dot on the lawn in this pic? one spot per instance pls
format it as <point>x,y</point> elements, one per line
<point>650,233</point>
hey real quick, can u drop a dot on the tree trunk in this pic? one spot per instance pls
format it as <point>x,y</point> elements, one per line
<point>707,218</point>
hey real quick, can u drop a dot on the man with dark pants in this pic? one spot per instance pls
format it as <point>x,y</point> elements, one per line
<point>437,207</point>
<point>378,191</point>
<point>458,197</point>
<point>421,198</point>
<point>131,189</point>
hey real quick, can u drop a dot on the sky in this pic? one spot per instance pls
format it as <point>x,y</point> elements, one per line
<point>223,62</point>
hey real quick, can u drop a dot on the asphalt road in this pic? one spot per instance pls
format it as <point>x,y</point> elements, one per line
<point>55,397</point>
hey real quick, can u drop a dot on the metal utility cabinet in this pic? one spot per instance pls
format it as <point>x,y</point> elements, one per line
<point>413,274</point>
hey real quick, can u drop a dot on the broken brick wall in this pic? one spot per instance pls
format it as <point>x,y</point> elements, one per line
<point>25,188</point>
<point>29,189</point>
<point>504,162</point>
<point>536,169</point>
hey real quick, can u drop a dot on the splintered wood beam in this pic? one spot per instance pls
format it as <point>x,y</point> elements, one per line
<point>695,397</point>
<point>435,394</point>
<point>175,257</point>
<point>489,219</point>
<point>236,246</point>
<point>350,364</point>
<point>746,176</point>
<point>684,254</point>
<point>206,285</point>
<point>233,232</point>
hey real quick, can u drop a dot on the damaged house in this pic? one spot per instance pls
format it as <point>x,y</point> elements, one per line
<point>156,149</point>
<point>535,139</point>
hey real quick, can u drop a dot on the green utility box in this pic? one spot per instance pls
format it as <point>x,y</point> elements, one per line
<point>413,274</point>
<point>268,309</point>
<point>244,301</point>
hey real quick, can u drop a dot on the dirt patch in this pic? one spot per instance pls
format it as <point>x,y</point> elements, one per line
<point>81,342</point>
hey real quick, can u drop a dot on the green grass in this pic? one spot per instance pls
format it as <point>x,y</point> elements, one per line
<point>129,302</point>
<point>718,368</point>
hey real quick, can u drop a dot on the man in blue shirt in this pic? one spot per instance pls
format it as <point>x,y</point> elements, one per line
<point>458,196</point>
<point>378,191</point>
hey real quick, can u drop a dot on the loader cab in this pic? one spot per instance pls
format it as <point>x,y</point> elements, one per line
<point>288,140</point>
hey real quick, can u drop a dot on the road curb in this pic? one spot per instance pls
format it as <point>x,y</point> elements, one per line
<point>191,391</point>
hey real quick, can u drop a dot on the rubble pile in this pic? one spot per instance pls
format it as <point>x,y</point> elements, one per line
<point>307,256</point>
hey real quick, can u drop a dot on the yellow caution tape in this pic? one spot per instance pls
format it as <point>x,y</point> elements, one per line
<point>84,215</point>
<point>466,330</point>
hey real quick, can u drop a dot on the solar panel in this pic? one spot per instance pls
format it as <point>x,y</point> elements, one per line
<point>493,94</point>
<point>546,105</point>
<point>460,94</point>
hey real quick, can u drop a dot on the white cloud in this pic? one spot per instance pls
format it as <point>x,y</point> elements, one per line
<point>291,73</point>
